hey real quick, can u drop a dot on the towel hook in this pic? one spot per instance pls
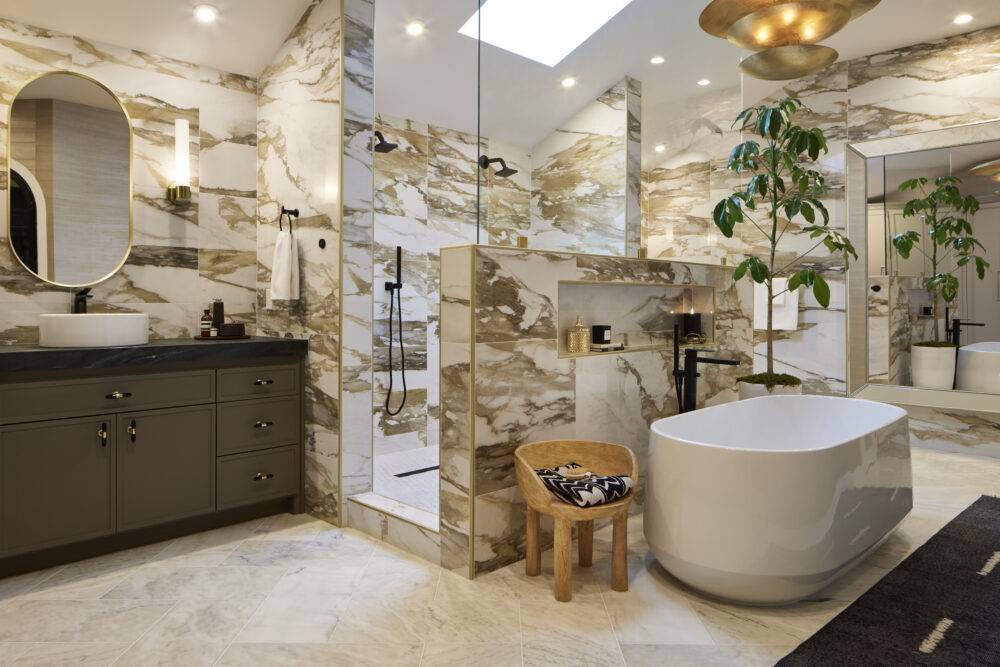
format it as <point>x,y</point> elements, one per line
<point>291,213</point>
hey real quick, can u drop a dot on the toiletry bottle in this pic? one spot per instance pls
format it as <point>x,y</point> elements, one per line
<point>218,313</point>
<point>214,331</point>
<point>577,338</point>
<point>206,323</point>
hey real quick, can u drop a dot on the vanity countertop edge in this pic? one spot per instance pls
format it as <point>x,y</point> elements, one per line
<point>165,352</point>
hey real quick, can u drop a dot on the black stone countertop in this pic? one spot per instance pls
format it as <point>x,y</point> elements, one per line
<point>29,358</point>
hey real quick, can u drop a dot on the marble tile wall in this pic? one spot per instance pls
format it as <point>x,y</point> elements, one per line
<point>581,193</point>
<point>504,383</point>
<point>183,255</point>
<point>912,89</point>
<point>300,149</point>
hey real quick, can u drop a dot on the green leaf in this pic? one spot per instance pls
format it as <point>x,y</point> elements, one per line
<point>741,269</point>
<point>821,291</point>
<point>807,212</point>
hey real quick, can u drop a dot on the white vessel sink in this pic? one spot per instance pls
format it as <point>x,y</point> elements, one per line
<point>93,330</point>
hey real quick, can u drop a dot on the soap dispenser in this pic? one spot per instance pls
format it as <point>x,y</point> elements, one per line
<point>577,338</point>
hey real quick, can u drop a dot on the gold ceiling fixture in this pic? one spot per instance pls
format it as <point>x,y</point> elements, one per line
<point>784,33</point>
<point>989,169</point>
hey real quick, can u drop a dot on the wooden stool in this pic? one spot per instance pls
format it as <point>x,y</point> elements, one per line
<point>601,458</point>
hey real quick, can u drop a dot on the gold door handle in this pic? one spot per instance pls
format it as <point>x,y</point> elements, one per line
<point>131,430</point>
<point>262,424</point>
<point>118,395</point>
<point>102,433</point>
<point>260,382</point>
<point>263,476</point>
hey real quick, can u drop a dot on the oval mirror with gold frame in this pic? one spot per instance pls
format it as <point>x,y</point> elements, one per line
<point>69,170</point>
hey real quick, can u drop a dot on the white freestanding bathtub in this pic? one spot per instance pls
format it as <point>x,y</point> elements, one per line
<point>768,500</point>
<point>979,368</point>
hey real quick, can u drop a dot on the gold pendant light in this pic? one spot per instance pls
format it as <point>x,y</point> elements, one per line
<point>989,169</point>
<point>783,32</point>
<point>788,62</point>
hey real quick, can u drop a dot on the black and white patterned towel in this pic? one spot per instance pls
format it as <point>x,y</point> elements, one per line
<point>587,492</point>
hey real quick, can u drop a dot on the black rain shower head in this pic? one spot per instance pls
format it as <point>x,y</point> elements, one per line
<point>504,172</point>
<point>383,146</point>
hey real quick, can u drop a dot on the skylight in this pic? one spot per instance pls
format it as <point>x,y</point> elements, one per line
<point>544,31</point>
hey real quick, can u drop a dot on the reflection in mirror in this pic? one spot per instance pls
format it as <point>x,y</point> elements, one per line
<point>918,288</point>
<point>70,176</point>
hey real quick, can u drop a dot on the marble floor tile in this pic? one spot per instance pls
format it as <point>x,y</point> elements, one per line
<point>685,655</point>
<point>480,655</point>
<point>50,655</point>
<point>295,655</point>
<point>93,578</point>
<point>654,610</point>
<point>309,618</point>
<point>542,654</point>
<point>733,624</point>
<point>557,632</point>
<point>11,587</point>
<point>172,653</point>
<point>98,621</point>
<point>208,548</point>
<point>337,549</point>
<point>171,582</point>
<point>290,527</point>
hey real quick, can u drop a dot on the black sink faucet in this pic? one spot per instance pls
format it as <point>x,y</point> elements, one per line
<point>80,300</point>
<point>686,379</point>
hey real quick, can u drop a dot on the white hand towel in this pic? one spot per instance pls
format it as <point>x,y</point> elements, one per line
<point>785,307</point>
<point>284,269</point>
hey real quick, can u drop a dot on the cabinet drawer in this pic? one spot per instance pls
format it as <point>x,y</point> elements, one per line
<point>238,383</point>
<point>30,401</point>
<point>249,478</point>
<point>251,425</point>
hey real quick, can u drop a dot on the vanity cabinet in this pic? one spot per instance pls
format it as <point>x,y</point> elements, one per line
<point>121,455</point>
<point>166,465</point>
<point>57,482</point>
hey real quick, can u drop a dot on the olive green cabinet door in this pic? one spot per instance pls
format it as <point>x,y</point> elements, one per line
<point>166,465</point>
<point>56,483</point>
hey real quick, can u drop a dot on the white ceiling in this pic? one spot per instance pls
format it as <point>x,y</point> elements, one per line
<point>432,78</point>
<point>243,40</point>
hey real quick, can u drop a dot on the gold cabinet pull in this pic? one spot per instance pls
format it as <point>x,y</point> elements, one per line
<point>262,424</point>
<point>102,433</point>
<point>118,395</point>
<point>131,430</point>
<point>261,382</point>
<point>263,476</point>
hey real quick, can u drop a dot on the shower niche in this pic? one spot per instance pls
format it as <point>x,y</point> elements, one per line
<point>642,316</point>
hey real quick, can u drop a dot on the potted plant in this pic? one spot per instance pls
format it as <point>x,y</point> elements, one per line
<point>946,213</point>
<point>781,188</point>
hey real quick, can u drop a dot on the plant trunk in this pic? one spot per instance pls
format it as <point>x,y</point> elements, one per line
<point>934,317</point>
<point>770,325</point>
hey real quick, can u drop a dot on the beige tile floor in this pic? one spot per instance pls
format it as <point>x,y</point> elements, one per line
<point>291,590</point>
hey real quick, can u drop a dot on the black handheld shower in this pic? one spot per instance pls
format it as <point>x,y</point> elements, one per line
<point>395,290</point>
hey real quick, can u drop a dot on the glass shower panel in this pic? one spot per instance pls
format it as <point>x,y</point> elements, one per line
<point>425,181</point>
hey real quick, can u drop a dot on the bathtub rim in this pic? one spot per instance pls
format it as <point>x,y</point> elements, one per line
<point>900,415</point>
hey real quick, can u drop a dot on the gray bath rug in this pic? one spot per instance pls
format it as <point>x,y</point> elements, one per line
<point>940,606</point>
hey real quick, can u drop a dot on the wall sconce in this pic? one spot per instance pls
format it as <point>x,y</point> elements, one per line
<point>181,189</point>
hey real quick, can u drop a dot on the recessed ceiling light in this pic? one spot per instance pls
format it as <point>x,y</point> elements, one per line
<point>206,13</point>
<point>414,28</point>
<point>703,82</point>
<point>659,148</point>
<point>568,82</point>
<point>657,60</point>
<point>962,19</point>
<point>545,32</point>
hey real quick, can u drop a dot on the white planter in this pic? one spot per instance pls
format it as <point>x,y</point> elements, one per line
<point>749,390</point>
<point>933,367</point>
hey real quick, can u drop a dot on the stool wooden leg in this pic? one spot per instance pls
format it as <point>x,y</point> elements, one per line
<point>619,552</point>
<point>564,560</point>
<point>533,548</point>
<point>585,535</point>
